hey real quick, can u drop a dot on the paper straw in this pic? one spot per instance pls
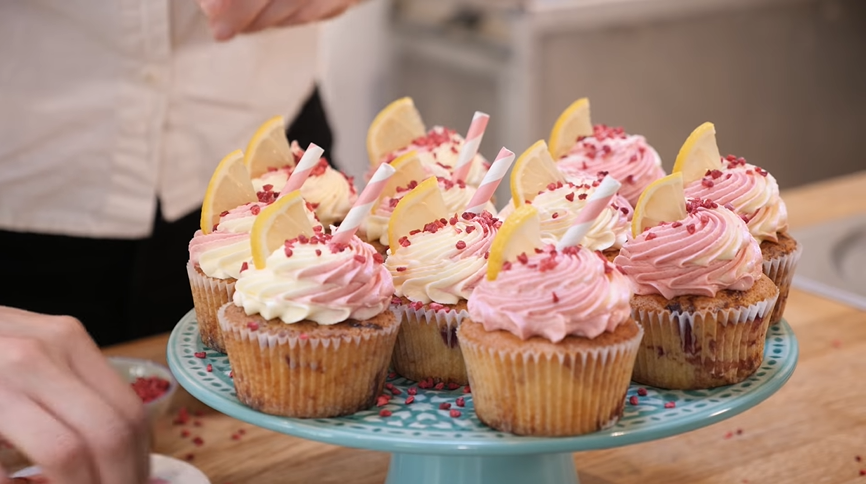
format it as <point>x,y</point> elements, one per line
<point>364,205</point>
<point>470,145</point>
<point>303,168</point>
<point>491,180</point>
<point>595,204</point>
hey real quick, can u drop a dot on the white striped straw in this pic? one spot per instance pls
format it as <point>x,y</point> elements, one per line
<point>364,205</point>
<point>491,181</point>
<point>595,204</point>
<point>470,145</point>
<point>303,168</point>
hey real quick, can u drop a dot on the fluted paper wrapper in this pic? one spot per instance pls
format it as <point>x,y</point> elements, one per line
<point>289,375</point>
<point>781,271</point>
<point>427,345</point>
<point>208,295</point>
<point>553,393</point>
<point>700,350</point>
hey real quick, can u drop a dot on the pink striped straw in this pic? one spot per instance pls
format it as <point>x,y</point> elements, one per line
<point>491,181</point>
<point>471,145</point>
<point>595,204</point>
<point>364,205</point>
<point>303,168</point>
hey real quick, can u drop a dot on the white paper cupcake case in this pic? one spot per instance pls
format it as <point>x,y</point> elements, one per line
<point>781,271</point>
<point>209,294</point>
<point>418,354</point>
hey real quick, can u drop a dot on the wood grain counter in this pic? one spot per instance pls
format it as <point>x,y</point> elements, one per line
<point>810,432</point>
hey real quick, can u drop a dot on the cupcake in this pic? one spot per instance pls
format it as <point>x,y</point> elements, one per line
<point>547,321</point>
<point>436,259</point>
<point>753,194</point>
<point>220,250</point>
<point>308,332</point>
<point>700,293</point>
<point>580,147</point>
<point>398,129</point>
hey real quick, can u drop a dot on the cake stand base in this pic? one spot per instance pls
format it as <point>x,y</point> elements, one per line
<point>506,469</point>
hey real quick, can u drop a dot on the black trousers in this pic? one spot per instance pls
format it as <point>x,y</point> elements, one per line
<point>120,289</point>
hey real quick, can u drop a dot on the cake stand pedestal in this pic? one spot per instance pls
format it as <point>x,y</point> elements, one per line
<point>429,446</point>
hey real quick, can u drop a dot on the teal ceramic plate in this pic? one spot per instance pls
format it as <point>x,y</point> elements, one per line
<point>423,428</point>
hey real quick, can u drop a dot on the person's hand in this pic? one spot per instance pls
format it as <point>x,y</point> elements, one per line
<point>231,17</point>
<point>64,407</point>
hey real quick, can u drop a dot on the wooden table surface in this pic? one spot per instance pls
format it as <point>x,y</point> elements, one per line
<point>809,432</point>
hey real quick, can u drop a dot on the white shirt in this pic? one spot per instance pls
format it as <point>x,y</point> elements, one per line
<point>107,105</point>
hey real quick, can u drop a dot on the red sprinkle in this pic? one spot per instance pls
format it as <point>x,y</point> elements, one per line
<point>555,298</point>
<point>444,406</point>
<point>360,258</point>
<point>707,182</point>
<point>523,258</point>
<point>461,402</point>
<point>455,413</point>
<point>439,386</point>
<point>288,252</point>
<point>412,391</point>
<point>863,472</point>
<point>401,268</point>
<point>189,457</point>
<point>650,235</point>
<point>642,392</point>
<point>633,400</point>
<point>570,197</point>
<point>377,258</point>
<point>150,388</point>
<point>184,433</point>
<point>244,266</point>
<point>676,224</point>
<point>255,209</point>
<point>729,435</point>
<point>410,399</point>
<point>198,441</point>
<point>466,389</point>
<point>460,245</point>
<point>395,390</point>
<point>670,404</point>
<point>582,196</point>
<point>858,458</point>
<point>382,401</point>
<point>209,368</point>
<point>200,354</point>
<point>252,325</point>
<point>690,228</point>
<point>384,413</point>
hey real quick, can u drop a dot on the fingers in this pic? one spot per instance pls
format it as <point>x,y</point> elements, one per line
<point>274,14</point>
<point>234,16</point>
<point>59,451</point>
<point>102,436</point>
<point>316,11</point>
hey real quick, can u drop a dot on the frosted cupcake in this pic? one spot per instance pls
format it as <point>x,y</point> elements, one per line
<point>753,194</point>
<point>700,294</point>
<point>436,259</point>
<point>398,129</point>
<point>547,321</point>
<point>308,331</point>
<point>578,146</point>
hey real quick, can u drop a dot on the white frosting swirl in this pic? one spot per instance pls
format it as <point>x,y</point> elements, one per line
<point>443,266</point>
<point>316,281</point>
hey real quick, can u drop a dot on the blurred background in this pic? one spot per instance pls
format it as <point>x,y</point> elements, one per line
<point>784,81</point>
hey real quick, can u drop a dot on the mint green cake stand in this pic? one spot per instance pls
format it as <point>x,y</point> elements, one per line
<point>428,446</point>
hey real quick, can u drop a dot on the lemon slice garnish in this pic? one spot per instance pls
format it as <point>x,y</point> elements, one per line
<point>395,127</point>
<point>571,124</point>
<point>662,201</point>
<point>268,148</point>
<point>532,173</point>
<point>282,220</point>
<point>520,233</point>
<point>229,187</point>
<point>698,154</point>
<point>417,208</point>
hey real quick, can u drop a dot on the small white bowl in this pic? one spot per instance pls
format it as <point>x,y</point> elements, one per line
<point>132,368</point>
<point>163,469</point>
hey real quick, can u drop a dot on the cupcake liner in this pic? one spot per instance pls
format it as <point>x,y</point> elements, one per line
<point>543,389</point>
<point>208,295</point>
<point>295,374</point>
<point>701,349</point>
<point>781,271</point>
<point>427,345</point>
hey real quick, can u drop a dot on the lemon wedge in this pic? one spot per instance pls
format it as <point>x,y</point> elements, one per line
<point>229,187</point>
<point>698,154</point>
<point>521,232</point>
<point>268,148</point>
<point>278,222</point>
<point>532,173</point>
<point>571,124</point>
<point>395,127</point>
<point>408,168</point>
<point>662,201</point>
<point>417,208</point>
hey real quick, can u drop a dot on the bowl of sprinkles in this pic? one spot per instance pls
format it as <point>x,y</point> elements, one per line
<point>152,382</point>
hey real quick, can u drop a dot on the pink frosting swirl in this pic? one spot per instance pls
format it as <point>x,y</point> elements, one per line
<point>628,158</point>
<point>710,250</point>
<point>751,191</point>
<point>553,295</point>
<point>223,252</point>
<point>314,279</point>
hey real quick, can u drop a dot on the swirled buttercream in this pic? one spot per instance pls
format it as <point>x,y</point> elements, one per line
<point>313,279</point>
<point>553,295</point>
<point>710,250</point>
<point>222,253</point>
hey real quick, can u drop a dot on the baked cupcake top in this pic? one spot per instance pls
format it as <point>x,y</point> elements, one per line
<point>626,157</point>
<point>313,279</point>
<point>330,192</point>
<point>751,192</point>
<point>445,260</point>
<point>553,294</point>
<point>709,250</point>
<point>439,151</point>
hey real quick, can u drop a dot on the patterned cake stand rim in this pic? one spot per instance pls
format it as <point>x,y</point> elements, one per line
<point>511,445</point>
